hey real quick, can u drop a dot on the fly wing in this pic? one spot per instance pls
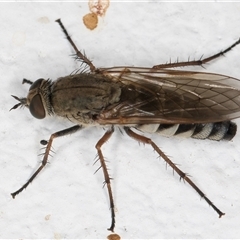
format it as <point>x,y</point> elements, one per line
<point>171,96</point>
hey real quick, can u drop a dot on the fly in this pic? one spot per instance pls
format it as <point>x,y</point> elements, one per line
<point>156,100</point>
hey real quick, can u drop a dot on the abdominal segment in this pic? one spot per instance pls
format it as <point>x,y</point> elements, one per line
<point>212,131</point>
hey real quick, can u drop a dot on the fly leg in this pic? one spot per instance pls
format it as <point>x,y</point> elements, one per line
<point>80,55</point>
<point>199,62</point>
<point>182,175</point>
<point>107,179</point>
<point>46,154</point>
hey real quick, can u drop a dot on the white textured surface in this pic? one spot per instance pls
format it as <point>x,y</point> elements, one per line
<point>67,200</point>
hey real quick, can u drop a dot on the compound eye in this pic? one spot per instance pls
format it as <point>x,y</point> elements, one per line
<point>36,107</point>
<point>36,84</point>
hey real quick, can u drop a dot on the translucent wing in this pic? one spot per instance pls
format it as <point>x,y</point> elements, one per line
<point>171,96</point>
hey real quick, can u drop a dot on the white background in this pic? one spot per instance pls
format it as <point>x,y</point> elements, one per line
<point>67,199</point>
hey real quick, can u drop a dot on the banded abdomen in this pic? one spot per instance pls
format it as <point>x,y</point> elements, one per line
<point>212,131</point>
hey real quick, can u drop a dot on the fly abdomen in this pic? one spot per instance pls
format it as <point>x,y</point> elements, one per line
<point>212,131</point>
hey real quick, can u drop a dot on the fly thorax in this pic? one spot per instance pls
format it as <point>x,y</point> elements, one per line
<point>83,96</point>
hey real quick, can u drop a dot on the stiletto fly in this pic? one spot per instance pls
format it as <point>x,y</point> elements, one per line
<point>156,100</point>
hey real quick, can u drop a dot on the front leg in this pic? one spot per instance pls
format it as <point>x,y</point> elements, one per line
<point>46,154</point>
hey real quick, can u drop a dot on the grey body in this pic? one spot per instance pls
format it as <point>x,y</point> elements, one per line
<point>84,98</point>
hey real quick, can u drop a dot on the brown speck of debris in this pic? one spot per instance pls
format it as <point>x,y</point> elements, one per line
<point>90,20</point>
<point>43,20</point>
<point>98,7</point>
<point>113,236</point>
<point>47,217</point>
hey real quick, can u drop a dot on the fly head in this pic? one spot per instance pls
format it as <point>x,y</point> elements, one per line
<point>38,98</point>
